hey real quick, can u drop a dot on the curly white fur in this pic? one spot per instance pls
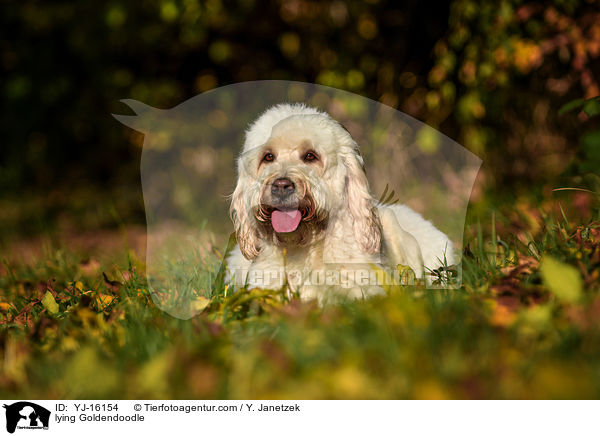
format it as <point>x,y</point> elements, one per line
<point>343,228</point>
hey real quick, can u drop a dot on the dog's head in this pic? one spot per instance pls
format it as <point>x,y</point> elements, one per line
<point>299,171</point>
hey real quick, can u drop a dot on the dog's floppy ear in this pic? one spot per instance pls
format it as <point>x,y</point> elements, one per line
<point>245,232</point>
<point>367,227</point>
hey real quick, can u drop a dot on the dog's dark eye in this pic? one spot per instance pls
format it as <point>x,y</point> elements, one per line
<point>269,157</point>
<point>310,156</point>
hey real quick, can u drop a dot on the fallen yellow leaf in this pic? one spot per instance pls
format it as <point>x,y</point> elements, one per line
<point>199,304</point>
<point>50,303</point>
<point>561,279</point>
<point>104,300</point>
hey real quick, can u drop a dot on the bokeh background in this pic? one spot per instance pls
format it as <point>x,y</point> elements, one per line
<point>514,81</point>
<point>491,75</point>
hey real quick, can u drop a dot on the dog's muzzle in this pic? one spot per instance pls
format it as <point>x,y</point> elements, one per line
<point>286,215</point>
<point>285,204</point>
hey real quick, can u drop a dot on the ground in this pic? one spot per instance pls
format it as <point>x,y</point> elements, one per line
<point>77,321</point>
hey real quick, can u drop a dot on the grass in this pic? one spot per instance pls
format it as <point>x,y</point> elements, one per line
<point>523,325</point>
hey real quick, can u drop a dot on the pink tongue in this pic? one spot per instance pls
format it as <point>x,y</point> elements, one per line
<point>285,221</point>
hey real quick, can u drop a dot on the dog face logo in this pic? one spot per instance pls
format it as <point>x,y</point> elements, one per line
<point>26,415</point>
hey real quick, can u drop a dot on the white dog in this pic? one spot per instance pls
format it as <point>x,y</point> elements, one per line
<point>304,216</point>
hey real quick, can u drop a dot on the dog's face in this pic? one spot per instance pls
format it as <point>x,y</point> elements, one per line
<point>306,174</point>
<point>296,170</point>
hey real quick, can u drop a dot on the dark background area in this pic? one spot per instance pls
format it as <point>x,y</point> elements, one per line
<point>491,75</point>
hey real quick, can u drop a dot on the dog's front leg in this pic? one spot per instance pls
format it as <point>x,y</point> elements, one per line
<point>400,247</point>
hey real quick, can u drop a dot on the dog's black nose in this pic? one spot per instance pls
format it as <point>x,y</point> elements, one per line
<point>283,187</point>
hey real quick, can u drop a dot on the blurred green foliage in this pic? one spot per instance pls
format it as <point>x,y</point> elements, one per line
<point>65,65</point>
<point>489,74</point>
<point>501,73</point>
<point>589,153</point>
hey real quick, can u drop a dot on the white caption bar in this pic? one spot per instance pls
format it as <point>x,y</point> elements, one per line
<point>31,417</point>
